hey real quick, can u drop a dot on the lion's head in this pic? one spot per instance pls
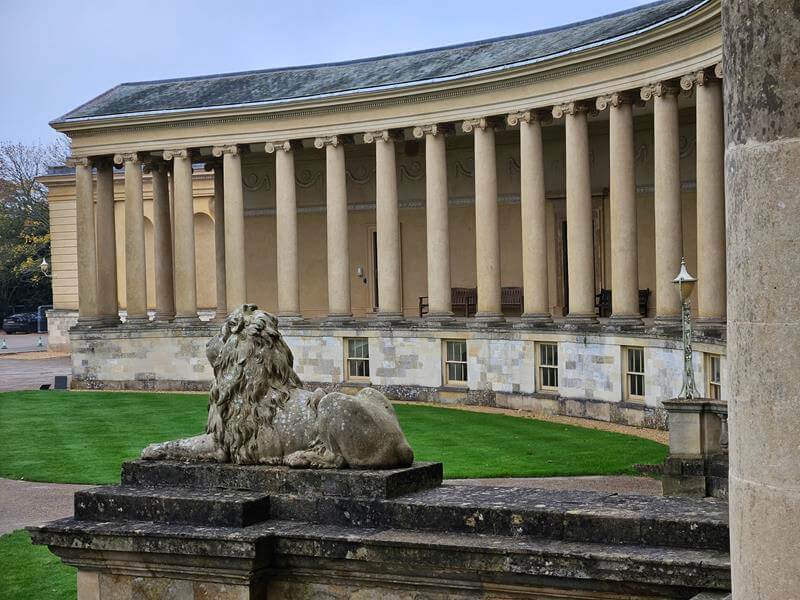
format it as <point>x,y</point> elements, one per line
<point>253,377</point>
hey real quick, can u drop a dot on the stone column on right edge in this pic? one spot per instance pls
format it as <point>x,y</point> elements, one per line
<point>668,225</point>
<point>533,216</point>
<point>580,245</point>
<point>436,222</point>
<point>135,257</point>
<point>337,227</point>
<point>487,232</point>
<point>762,183</point>
<point>711,296</point>
<point>235,267</point>
<point>624,245</point>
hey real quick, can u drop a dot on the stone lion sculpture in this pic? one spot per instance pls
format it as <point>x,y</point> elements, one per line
<point>258,413</point>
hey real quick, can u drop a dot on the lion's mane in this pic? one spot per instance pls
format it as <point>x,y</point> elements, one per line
<point>253,378</point>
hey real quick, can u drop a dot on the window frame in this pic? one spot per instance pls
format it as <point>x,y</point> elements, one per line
<point>446,362</point>
<point>353,359</point>
<point>627,374</point>
<point>710,357</point>
<point>540,368</point>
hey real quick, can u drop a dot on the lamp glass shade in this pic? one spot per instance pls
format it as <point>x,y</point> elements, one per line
<point>684,281</point>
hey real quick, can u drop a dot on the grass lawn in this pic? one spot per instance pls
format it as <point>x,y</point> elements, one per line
<point>83,437</point>
<point>33,572</point>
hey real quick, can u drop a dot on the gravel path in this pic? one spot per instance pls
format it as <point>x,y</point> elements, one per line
<point>31,503</point>
<point>24,372</point>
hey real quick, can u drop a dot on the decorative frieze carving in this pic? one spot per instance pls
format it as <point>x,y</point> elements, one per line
<point>413,171</point>
<point>571,108</point>
<point>661,88</point>
<point>308,178</point>
<point>219,151</point>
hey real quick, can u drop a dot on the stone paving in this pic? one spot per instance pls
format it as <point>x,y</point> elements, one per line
<point>25,503</point>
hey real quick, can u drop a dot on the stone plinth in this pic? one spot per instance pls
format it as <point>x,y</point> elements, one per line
<point>698,448</point>
<point>208,530</point>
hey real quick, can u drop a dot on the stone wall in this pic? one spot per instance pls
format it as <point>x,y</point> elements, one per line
<point>59,322</point>
<point>406,362</point>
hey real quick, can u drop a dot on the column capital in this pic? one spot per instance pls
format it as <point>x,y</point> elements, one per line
<point>219,151</point>
<point>127,157</point>
<point>386,135</point>
<point>701,77</point>
<point>78,161</point>
<point>272,147</point>
<point>421,131</point>
<point>483,123</point>
<point>659,89</point>
<point>327,140</point>
<point>615,100</point>
<point>571,108</point>
<point>528,116</point>
<point>719,70</point>
<point>177,153</point>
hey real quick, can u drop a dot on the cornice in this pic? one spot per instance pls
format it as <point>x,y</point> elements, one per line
<point>704,22</point>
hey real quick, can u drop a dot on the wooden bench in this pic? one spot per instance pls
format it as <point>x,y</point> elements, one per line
<point>464,301</point>
<point>602,302</point>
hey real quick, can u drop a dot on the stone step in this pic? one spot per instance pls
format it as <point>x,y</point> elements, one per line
<point>528,513</point>
<point>216,508</point>
<point>354,483</point>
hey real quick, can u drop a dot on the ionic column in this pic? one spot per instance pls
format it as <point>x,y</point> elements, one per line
<point>624,245</point>
<point>390,293</point>
<point>135,265</point>
<point>668,230</point>
<point>337,228</point>
<point>533,214</point>
<point>580,247</point>
<point>162,242</point>
<point>219,235</point>
<point>487,234</point>
<point>235,273</point>
<point>711,280</point>
<point>107,302</point>
<point>437,223</point>
<point>87,251</point>
<point>185,269</point>
<point>286,226</point>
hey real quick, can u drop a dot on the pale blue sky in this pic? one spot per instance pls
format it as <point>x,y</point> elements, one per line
<point>56,55</point>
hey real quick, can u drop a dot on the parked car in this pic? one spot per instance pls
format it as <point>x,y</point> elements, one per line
<point>21,323</point>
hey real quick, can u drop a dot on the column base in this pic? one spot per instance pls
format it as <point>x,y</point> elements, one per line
<point>711,324</point>
<point>486,319</point>
<point>221,315</point>
<point>537,318</point>
<point>389,317</point>
<point>624,322</point>
<point>289,318</point>
<point>136,320</point>
<point>163,317</point>
<point>90,322</point>
<point>577,320</point>
<point>439,318</point>
<point>337,319</point>
<point>186,319</point>
<point>667,323</point>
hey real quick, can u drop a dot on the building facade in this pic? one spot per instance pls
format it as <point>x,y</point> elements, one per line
<point>496,223</point>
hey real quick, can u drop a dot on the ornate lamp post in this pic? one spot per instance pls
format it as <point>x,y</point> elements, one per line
<point>685,283</point>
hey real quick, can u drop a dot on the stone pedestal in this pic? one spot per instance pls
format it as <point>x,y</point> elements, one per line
<point>201,530</point>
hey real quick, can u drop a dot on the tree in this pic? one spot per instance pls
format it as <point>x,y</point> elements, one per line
<point>25,222</point>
